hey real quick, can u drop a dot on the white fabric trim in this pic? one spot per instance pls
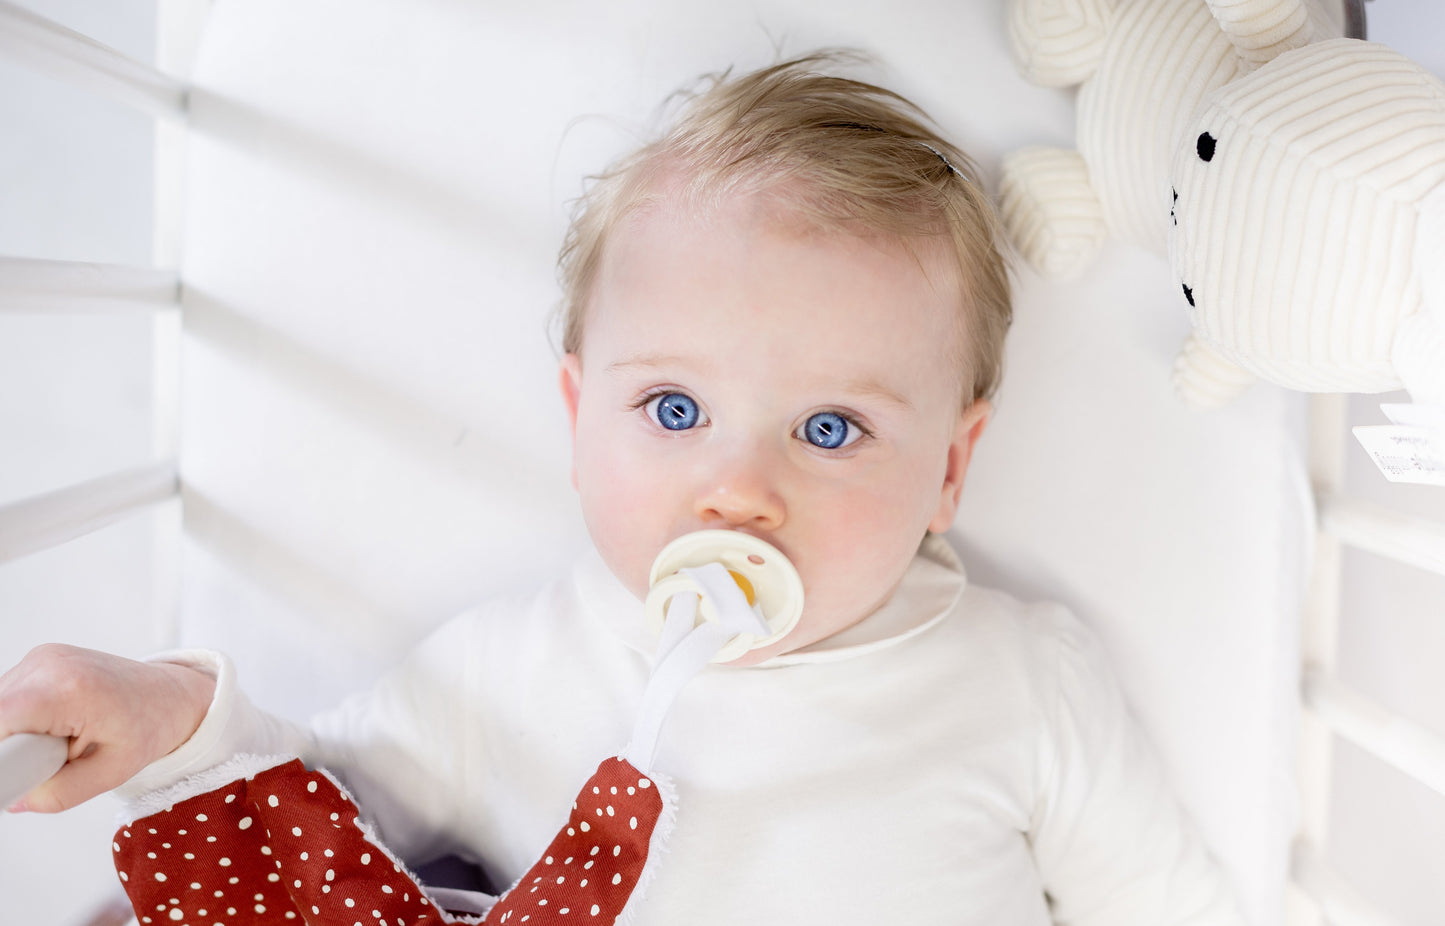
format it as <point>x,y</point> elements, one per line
<point>164,798</point>
<point>656,849</point>
<point>208,736</point>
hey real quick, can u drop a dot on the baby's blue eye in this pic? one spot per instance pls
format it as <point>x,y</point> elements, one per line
<point>675,411</point>
<point>828,430</point>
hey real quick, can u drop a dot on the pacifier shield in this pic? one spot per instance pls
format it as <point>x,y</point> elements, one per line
<point>765,576</point>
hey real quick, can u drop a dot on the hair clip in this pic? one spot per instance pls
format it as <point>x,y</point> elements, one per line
<point>946,162</point>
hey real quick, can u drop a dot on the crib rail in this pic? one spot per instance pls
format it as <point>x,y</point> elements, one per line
<point>29,285</point>
<point>1407,746</point>
<point>1340,903</point>
<point>50,47</point>
<point>53,518</point>
<point>1409,540</point>
<point>27,760</point>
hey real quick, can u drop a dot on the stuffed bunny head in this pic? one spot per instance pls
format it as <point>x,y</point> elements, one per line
<point>1297,196</point>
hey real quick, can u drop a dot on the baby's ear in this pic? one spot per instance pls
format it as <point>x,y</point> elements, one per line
<point>569,377</point>
<point>970,425</point>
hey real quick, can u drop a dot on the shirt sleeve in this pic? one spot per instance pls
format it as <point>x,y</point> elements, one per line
<point>232,726</point>
<point>400,747</point>
<point>1113,845</point>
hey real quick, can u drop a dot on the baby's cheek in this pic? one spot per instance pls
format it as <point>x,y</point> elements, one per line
<point>621,500</point>
<point>861,545</point>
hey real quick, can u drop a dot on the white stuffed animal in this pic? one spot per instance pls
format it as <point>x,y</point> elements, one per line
<point>1302,201</point>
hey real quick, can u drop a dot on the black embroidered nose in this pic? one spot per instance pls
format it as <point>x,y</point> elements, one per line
<point>1189,294</point>
<point>1205,147</point>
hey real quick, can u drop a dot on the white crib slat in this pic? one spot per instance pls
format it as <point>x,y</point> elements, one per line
<point>28,285</point>
<point>1320,618</point>
<point>69,55</point>
<point>47,520</point>
<point>1340,903</point>
<point>1407,746</point>
<point>1410,540</point>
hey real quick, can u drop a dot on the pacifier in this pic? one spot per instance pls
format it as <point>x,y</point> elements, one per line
<point>769,584</point>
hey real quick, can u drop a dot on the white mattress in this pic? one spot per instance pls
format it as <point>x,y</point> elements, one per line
<point>373,438</point>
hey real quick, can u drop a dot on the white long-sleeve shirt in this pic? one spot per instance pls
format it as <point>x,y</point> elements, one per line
<point>955,758</point>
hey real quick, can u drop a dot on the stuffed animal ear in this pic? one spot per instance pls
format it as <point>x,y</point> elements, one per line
<point>1261,30</point>
<point>1051,210</point>
<point>1204,378</point>
<point>1058,44</point>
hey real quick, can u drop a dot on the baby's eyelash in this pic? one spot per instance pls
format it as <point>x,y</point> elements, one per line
<point>656,392</point>
<point>851,419</point>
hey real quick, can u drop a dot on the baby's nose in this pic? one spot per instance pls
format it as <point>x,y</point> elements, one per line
<point>740,494</point>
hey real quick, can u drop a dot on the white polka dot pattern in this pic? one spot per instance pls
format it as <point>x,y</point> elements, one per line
<point>591,869</point>
<point>238,856</point>
<point>284,847</point>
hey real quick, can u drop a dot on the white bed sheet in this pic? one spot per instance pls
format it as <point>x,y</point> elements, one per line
<point>372,438</point>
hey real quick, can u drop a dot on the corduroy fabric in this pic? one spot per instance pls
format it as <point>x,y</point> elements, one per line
<point>1297,237</point>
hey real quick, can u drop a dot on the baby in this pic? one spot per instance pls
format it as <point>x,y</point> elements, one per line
<point>784,318</point>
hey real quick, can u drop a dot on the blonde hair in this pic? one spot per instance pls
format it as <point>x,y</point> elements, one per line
<point>847,154</point>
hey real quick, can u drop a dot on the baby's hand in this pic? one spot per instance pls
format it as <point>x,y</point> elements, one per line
<point>118,714</point>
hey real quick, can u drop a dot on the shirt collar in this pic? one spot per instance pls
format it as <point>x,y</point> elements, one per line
<point>928,591</point>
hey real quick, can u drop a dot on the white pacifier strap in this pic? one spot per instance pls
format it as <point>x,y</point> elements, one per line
<point>684,650</point>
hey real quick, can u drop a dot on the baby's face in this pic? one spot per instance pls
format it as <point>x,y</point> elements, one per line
<point>740,371</point>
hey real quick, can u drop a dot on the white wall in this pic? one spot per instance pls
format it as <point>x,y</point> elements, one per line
<point>75,183</point>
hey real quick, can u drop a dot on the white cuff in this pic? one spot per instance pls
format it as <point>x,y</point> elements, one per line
<point>214,741</point>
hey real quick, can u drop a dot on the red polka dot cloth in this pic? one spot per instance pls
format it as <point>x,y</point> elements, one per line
<point>286,846</point>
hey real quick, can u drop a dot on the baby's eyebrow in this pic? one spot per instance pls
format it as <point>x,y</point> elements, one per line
<point>873,389</point>
<point>649,361</point>
<point>859,387</point>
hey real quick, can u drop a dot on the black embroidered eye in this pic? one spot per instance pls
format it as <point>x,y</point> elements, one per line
<point>1188,294</point>
<point>1205,147</point>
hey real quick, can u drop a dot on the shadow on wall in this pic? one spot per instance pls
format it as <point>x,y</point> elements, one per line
<point>494,226</point>
<point>281,571</point>
<point>433,438</point>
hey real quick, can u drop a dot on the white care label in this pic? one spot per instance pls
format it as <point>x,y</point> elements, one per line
<point>1413,448</point>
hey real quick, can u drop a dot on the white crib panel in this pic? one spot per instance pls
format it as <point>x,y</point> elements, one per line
<point>372,437</point>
